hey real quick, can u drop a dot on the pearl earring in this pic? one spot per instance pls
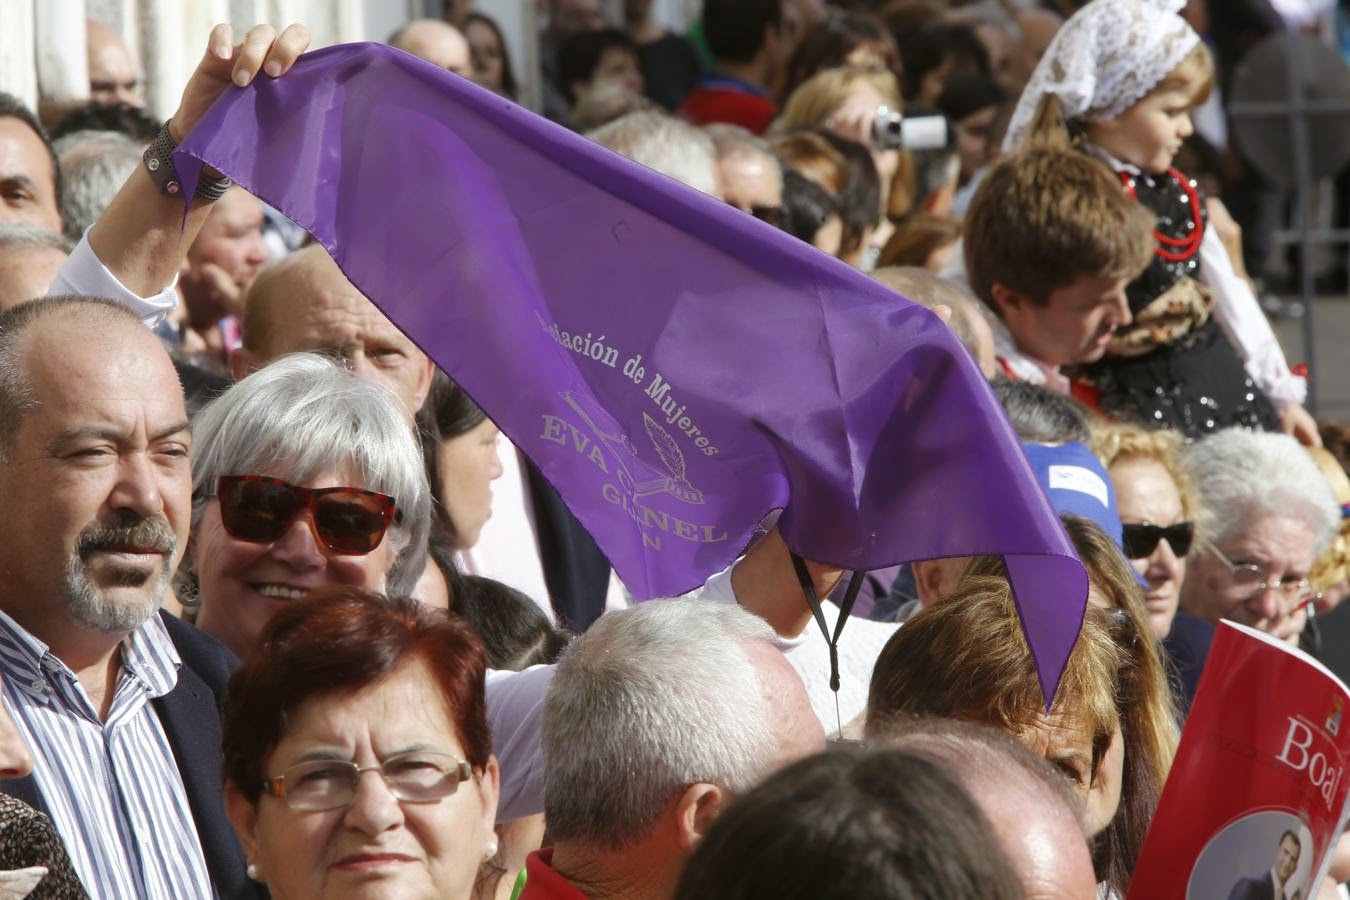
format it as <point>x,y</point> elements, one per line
<point>490,848</point>
<point>252,872</point>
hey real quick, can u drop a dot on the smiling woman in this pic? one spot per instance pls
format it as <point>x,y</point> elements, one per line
<point>304,475</point>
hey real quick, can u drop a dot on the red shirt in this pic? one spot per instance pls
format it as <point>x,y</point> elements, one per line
<point>722,99</point>
<point>542,882</point>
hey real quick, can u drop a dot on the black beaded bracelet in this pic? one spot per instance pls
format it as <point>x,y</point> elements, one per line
<point>158,160</point>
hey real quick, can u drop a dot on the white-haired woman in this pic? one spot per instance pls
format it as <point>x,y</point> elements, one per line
<point>303,476</point>
<point>1273,514</point>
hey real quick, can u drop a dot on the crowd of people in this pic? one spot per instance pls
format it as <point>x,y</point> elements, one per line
<point>282,613</point>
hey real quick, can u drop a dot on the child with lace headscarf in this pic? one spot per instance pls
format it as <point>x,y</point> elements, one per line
<point>1119,81</point>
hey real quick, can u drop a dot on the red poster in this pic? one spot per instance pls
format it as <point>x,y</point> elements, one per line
<point>1257,793</point>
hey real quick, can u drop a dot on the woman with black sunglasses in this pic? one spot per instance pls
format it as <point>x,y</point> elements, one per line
<point>1162,518</point>
<point>1158,508</point>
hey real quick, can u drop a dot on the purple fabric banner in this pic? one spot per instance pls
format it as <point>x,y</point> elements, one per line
<point>676,368</point>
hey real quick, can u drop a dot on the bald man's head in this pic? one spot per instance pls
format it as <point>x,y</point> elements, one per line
<point>114,74</point>
<point>304,302</point>
<point>1036,816</point>
<point>439,43</point>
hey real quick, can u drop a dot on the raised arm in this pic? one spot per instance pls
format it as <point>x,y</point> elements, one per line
<point>766,584</point>
<point>142,238</point>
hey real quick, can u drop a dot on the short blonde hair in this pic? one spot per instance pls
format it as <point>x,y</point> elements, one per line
<point>1194,75</point>
<point>817,98</point>
<point>1115,442</point>
<point>1333,566</point>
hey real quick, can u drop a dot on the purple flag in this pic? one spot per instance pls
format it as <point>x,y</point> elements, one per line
<point>676,368</point>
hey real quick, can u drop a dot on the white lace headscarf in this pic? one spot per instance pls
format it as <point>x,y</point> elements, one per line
<point>1108,55</point>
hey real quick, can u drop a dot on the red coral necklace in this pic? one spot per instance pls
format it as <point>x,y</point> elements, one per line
<point>1170,248</point>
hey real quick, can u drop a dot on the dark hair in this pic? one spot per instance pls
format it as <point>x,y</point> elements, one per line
<point>581,53</point>
<point>509,86</point>
<point>966,95</point>
<point>831,43</point>
<point>1039,415</point>
<point>338,641</point>
<point>806,206</point>
<point>200,386</point>
<point>926,49</point>
<point>135,123</point>
<point>448,412</point>
<point>868,824</point>
<point>14,108</point>
<point>514,629</point>
<point>734,29</point>
<point>859,201</point>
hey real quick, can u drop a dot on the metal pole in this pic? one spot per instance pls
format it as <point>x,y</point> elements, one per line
<point>1298,110</point>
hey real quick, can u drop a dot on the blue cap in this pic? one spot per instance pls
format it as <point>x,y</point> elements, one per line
<point>1078,484</point>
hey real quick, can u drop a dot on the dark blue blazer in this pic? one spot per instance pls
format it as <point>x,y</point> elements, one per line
<point>1262,888</point>
<point>190,714</point>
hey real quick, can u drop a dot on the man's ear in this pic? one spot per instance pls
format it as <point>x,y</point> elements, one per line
<point>1006,299</point>
<point>695,809</point>
<point>423,383</point>
<point>243,815</point>
<point>242,362</point>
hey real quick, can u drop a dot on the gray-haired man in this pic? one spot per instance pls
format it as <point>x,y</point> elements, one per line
<point>657,716</point>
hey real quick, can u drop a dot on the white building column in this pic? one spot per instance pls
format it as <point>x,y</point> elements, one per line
<point>59,43</point>
<point>18,51</point>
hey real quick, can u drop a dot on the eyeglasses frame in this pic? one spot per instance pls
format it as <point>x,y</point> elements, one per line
<point>1265,585</point>
<point>276,785</point>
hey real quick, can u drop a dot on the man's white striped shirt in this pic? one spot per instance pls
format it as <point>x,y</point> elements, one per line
<point>112,788</point>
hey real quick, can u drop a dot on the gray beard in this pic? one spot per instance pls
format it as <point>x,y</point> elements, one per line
<point>98,610</point>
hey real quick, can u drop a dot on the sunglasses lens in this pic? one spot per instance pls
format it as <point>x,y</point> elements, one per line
<point>257,510</point>
<point>352,521</point>
<point>1140,540</point>
<point>1179,536</point>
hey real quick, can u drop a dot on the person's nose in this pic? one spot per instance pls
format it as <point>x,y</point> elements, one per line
<point>16,760</point>
<point>298,547</point>
<point>1162,564</point>
<point>1120,310</point>
<point>1186,127</point>
<point>374,808</point>
<point>1267,603</point>
<point>257,250</point>
<point>137,489</point>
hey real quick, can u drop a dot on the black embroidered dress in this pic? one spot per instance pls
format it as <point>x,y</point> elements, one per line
<point>1173,367</point>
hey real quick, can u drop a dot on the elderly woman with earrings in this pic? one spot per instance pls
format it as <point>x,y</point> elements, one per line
<point>357,759</point>
<point>1274,514</point>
